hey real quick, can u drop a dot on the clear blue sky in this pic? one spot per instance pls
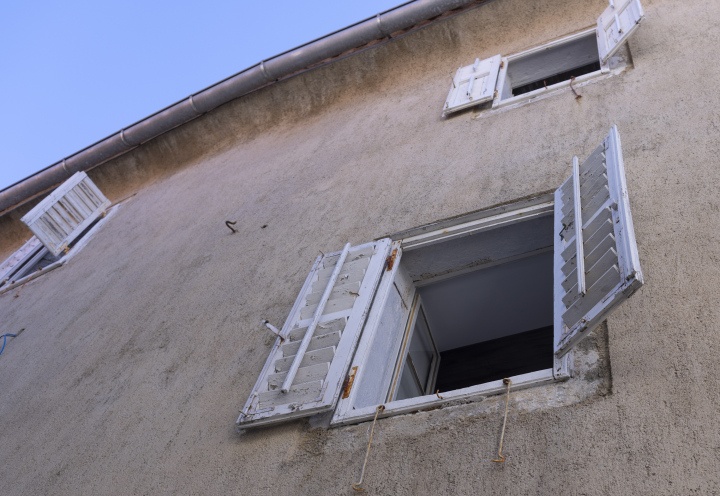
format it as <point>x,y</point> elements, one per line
<point>74,72</point>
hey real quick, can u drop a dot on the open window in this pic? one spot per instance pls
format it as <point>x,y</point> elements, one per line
<point>535,72</point>
<point>61,223</point>
<point>449,310</point>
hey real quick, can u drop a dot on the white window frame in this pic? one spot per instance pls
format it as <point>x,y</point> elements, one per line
<point>502,102</point>
<point>483,221</point>
<point>38,251</point>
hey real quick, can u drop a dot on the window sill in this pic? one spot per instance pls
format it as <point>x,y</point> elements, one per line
<point>431,402</point>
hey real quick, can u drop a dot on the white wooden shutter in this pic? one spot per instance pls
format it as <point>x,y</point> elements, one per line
<point>610,267</point>
<point>473,84</point>
<point>616,24</point>
<point>323,366</point>
<point>66,212</point>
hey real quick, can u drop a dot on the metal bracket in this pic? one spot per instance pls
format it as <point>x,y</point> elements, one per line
<point>272,328</point>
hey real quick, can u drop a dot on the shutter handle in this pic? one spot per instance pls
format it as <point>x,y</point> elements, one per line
<point>470,86</point>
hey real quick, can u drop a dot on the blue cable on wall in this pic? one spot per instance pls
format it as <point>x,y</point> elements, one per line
<point>5,340</point>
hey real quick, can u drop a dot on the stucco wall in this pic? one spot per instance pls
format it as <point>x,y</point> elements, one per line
<point>137,355</point>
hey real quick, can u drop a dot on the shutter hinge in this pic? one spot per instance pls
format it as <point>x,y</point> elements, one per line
<point>347,385</point>
<point>390,261</point>
<point>495,95</point>
<point>502,64</point>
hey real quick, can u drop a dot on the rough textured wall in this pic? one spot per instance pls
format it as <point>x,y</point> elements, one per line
<point>137,355</point>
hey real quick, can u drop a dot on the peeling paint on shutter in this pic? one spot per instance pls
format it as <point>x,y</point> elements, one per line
<point>616,24</point>
<point>611,265</point>
<point>473,84</point>
<point>66,212</point>
<point>318,382</point>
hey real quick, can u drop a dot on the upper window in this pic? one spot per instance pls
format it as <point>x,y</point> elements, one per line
<point>534,72</point>
<point>61,223</point>
<point>445,312</point>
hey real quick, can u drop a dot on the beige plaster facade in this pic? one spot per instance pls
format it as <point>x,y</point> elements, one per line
<point>137,355</point>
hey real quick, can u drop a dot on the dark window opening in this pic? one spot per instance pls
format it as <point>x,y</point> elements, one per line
<point>496,359</point>
<point>557,78</point>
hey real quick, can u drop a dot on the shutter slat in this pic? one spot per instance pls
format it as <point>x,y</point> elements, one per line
<point>608,259</point>
<point>597,292</point>
<point>339,291</point>
<point>310,358</point>
<point>322,328</point>
<point>316,343</point>
<point>311,373</point>
<point>297,394</point>
<point>353,267</point>
<point>594,204</point>
<point>332,306</point>
<point>365,253</point>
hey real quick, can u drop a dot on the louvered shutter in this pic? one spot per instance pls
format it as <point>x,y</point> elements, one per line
<point>66,212</point>
<point>616,24</point>
<point>609,264</point>
<point>473,84</point>
<point>322,367</point>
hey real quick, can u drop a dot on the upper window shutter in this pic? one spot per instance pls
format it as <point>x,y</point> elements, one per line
<point>473,84</point>
<point>319,370</point>
<point>609,267</point>
<point>66,212</point>
<point>615,26</point>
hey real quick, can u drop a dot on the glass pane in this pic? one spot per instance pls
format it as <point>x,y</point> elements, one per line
<point>408,387</point>
<point>421,349</point>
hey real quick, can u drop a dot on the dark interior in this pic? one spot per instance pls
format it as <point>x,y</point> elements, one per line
<point>496,359</point>
<point>557,78</point>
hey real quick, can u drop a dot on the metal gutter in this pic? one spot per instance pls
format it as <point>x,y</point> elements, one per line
<point>267,72</point>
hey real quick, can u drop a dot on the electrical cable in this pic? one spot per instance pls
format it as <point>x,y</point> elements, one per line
<point>5,339</point>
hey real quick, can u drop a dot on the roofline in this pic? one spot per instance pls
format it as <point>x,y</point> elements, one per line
<point>383,26</point>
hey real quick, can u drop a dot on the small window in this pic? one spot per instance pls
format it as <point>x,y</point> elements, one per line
<point>532,73</point>
<point>61,223</point>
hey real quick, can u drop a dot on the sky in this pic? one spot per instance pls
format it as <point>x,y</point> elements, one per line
<point>74,72</point>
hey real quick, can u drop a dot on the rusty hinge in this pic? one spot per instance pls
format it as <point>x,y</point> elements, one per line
<point>347,385</point>
<point>390,261</point>
<point>495,95</point>
<point>502,64</point>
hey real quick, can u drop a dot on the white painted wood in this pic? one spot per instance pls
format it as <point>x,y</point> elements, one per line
<point>432,401</point>
<point>15,261</point>
<point>268,405</point>
<point>27,267</point>
<point>504,218</point>
<point>377,351</point>
<point>408,358</point>
<point>609,251</point>
<point>473,84</point>
<point>66,212</point>
<point>579,252</point>
<point>615,25</point>
<point>299,357</point>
